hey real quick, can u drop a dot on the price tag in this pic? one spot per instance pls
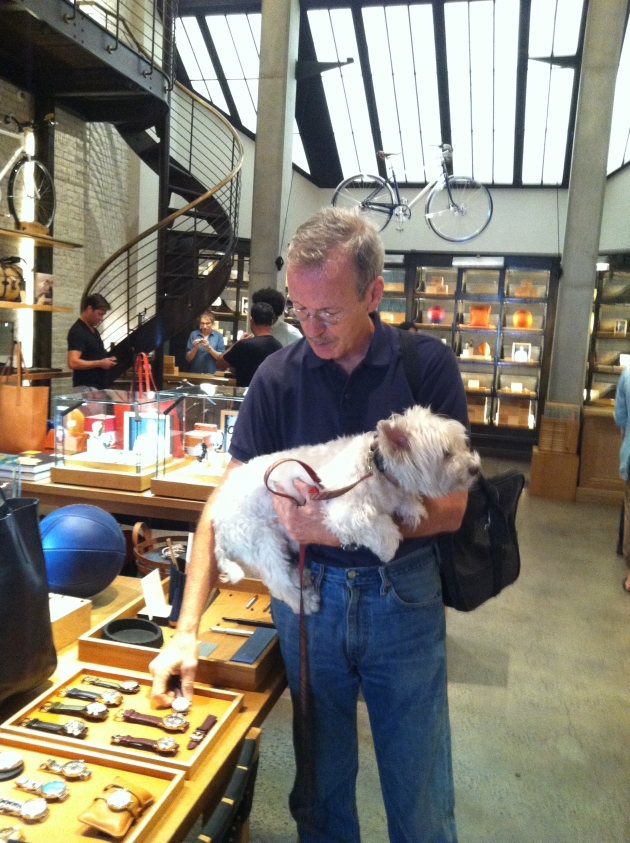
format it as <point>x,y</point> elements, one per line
<point>516,387</point>
<point>473,384</point>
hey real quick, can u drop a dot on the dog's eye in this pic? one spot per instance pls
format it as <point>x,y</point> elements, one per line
<point>447,454</point>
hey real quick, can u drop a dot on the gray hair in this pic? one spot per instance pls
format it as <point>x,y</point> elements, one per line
<point>344,232</point>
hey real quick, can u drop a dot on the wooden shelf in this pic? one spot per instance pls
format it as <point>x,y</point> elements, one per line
<point>41,239</point>
<point>47,308</point>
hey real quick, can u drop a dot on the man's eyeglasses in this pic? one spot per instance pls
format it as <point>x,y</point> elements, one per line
<point>323,316</point>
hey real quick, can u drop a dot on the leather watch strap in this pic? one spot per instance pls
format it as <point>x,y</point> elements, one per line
<point>135,743</point>
<point>201,731</point>
<point>130,715</point>
<point>64,708</point>
<point>42,725</point>
<point>80,694</point>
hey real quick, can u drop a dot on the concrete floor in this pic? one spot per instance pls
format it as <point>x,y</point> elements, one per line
<point>538,694</point>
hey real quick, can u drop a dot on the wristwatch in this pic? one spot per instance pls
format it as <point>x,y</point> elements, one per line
<point>121,799</point>
<point>129,686</point>
<point>31,811</point>
<point>92,711</point>
<point>163,746</point>
<point>106,697</point>
<point>170,723</point>
<point>12,834</point>
<point>53,791</point>
<point>201,731</point>
<point>71,770</point>
<point>69,729</point>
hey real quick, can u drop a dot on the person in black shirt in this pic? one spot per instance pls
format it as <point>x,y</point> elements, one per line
<point>245,356</point>
<point>86,353</point>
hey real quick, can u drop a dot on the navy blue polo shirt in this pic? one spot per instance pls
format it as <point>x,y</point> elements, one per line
<point>296,399</point>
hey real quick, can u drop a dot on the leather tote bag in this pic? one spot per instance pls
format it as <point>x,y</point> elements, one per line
<point>482,557</point>
<point>23,410</point>
<point>27,652</point>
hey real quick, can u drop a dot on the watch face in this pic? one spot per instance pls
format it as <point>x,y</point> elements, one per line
<point>54,790</point>
<point>111,698</point>
<point>13,833</point>
<point>180,704</point>
<point>119,799</point>
<point>96,709</point>
<point>34,810</point>
<point>129,686</point>
<point>75,729</point>
<point>10,760</point>
<point>76,770</point>
<point>175,722</point>
<point>167,745</point>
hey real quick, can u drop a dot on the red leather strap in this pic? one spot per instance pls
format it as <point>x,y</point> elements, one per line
<point>318,494</point>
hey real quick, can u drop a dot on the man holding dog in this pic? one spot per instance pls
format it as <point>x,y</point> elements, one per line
<point>380,629</point>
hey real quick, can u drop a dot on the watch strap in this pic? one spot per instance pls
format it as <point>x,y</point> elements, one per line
<point>201,731</point>
<point>130,715</point>
<point>63,708</point>
<point>80,694</point>
<point>42,725</point>
<point>116,824</point>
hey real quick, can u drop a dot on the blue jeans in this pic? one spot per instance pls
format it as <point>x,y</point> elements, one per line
<point>380,629</point>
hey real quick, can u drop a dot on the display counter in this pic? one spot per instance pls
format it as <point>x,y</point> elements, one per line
<point>599,480</point>
<point>202,788</point>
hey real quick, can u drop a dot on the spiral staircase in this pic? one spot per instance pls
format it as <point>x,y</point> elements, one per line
<point>113,61</point>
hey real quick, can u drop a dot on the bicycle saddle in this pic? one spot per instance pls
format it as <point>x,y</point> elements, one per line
<point>385,155</point>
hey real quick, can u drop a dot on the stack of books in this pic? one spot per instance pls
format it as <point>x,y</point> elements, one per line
<point>29,465</point>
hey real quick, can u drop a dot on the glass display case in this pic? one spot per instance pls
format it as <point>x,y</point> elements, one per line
<point>196,453</point>
<point>609,347</point>
<point>110,439</point>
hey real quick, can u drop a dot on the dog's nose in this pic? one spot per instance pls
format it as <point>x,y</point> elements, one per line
<point>473,470</point>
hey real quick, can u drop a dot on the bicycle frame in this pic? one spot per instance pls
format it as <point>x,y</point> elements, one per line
<point>19,152</point>
<point>400,200</point>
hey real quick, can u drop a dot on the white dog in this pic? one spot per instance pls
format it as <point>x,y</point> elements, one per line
<point>408,456</point>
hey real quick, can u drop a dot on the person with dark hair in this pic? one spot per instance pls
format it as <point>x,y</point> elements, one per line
<point>87,357</point>
<point>285,334</point>
<point>199,343</point>
<point>245,356</point>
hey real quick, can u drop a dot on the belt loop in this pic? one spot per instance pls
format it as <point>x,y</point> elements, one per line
<point>384,580</point>
<point>318,575</point>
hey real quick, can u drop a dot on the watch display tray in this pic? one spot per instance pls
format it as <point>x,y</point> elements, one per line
<point>223,704</point>
<point>214,669</point>
<point>62,823</point>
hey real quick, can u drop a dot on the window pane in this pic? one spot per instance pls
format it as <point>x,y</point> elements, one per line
<point>618,151</point>
<point>538,74</point>
<point>557,124</point>
<point>505,59</point>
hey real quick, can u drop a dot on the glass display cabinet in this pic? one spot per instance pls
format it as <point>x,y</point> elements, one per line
<point>609,347</point>
<point>196,453</point>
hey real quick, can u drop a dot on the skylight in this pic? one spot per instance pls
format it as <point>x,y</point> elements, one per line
<point>194,55</point>
<point>619,148</point>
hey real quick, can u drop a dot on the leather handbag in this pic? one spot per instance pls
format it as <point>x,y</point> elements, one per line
<point>28,654</point>
<point>23,409</point>
<point>481,558</point>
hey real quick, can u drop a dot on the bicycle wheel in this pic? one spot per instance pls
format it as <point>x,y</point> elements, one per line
<point>372,195</point>
<point>31,193</point>
<point>462,215</point>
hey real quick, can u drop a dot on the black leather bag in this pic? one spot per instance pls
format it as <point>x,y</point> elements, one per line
<point>27,652</point>
<point>482,557</point>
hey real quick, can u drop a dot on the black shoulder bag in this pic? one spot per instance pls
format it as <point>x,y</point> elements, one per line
<point>482,557</point>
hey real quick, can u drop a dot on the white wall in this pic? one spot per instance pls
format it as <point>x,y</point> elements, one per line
<point>616,220</point>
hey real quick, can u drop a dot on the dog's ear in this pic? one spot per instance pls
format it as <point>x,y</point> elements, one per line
<point>396,433</point>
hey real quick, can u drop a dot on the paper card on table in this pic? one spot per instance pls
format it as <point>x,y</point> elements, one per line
<point>516,387</point>
<point>473,384</point>
<point>156,605</point>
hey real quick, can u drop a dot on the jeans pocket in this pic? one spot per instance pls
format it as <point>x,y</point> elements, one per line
<point>416,584</point>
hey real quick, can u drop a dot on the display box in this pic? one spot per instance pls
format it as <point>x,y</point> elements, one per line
<point>436,280</point>
<point>217,667</point>
<point>163,782</point>
<point>553,475</point>
<point>112,439</point>
<point>70,618</point>
<point>224,705</point>
<point>526,283</point>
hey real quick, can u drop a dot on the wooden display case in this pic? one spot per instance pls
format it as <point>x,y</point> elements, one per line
<point>62,823</point>
<point>216,668</point>
<point>224,705</point>
<point>609,346</point>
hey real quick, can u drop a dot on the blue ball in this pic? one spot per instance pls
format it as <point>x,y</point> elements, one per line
<point>84,549</point>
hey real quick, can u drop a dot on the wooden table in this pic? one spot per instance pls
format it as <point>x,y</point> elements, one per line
<point>204,789</point>
<point>138,504</point>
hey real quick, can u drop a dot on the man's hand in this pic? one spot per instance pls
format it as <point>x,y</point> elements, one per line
<point>108,362</point>
<point>303,520</point>
<point>179,658</point>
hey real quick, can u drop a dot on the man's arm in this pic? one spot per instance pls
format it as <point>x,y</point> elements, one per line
<point>75,361</point>
<point>219,359</point>
<point>304,523</point>
<point>180,656</point>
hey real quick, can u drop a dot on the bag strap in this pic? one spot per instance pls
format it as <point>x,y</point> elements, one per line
<point>410,363</point>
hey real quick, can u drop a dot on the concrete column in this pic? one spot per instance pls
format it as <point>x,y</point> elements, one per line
<point>587,184</point>
<point>274,138</point>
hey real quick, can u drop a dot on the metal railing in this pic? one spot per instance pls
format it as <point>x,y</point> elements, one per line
<point>145,26</point>
<point>160,274</point>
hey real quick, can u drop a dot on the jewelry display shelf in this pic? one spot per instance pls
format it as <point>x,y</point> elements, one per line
<point>164,783</point>
<point>224,705</point>
<point>216,668</point>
